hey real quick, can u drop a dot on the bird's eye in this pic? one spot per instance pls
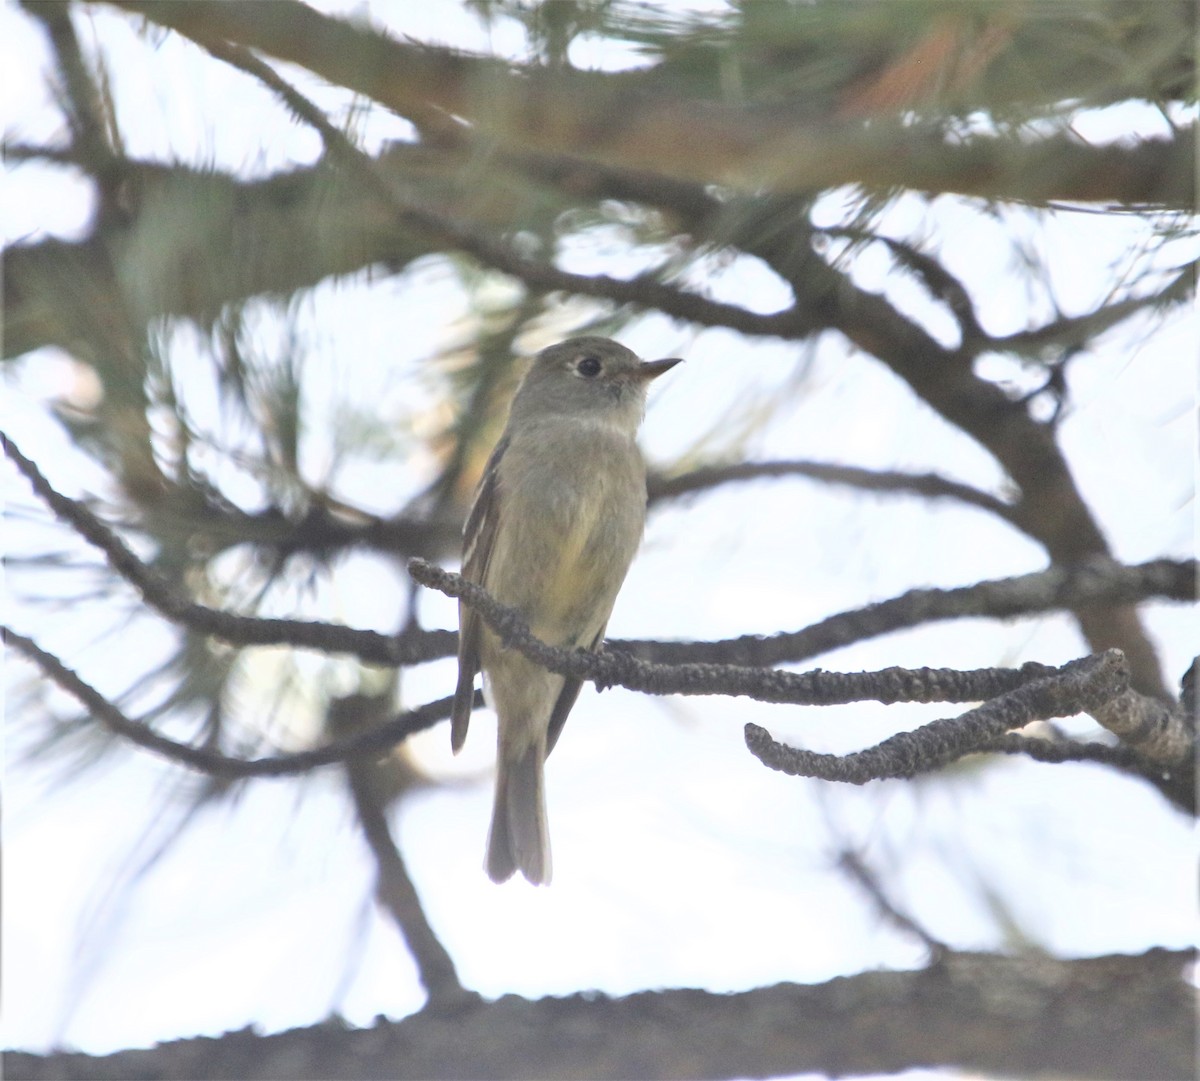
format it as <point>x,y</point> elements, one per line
<point>589,367</point>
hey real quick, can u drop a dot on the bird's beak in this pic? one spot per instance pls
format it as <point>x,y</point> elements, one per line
<point>652,369</point>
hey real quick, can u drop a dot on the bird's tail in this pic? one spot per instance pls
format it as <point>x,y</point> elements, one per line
<point>519,839</point>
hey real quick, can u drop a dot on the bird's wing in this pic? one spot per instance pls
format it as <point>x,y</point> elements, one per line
<point>479,537</point>
<point>566,699</point>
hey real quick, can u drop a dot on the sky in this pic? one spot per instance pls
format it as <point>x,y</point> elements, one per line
<point>130,919</point>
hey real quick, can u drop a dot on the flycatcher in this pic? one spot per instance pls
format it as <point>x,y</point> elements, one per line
<point>556,521</point>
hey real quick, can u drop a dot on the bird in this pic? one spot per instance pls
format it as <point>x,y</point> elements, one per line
<point>556,520</point>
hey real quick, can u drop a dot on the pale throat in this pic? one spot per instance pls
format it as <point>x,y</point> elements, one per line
<point>615,421</point>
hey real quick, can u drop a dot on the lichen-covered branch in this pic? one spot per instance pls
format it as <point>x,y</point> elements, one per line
<point>1163,734</point>
<point>1158,743</point>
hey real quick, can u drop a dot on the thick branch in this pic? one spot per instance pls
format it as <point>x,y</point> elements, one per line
<point>1104,1018</point>
<point>1163,734</point>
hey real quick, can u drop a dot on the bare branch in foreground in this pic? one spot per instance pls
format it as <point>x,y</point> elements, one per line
<point>1081,686</point>
<point>1012,697</point>
<point>1103,1018</point>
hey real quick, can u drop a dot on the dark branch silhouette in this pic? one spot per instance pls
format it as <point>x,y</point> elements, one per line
<point>709,141</point>
<point>643,291</point>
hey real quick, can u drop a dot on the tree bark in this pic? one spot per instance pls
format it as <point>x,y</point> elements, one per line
<point>1115,1017</point>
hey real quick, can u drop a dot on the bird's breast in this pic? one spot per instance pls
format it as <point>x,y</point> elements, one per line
<point>571,523</point>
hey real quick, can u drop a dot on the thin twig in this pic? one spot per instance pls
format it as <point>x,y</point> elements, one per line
<point>394,887</point>
<point>412,646</point>
<point>853,865</point>
<point>369,743</point>
<point>928,485</point>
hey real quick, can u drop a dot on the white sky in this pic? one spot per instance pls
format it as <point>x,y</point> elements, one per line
<point>679,860</point>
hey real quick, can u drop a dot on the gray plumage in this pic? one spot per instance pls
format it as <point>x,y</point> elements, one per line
<point>556,521</point>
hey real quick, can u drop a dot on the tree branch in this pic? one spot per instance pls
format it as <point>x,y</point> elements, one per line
<point>1081,686</point>
<point>1093,583</point>
<point>1103,1018</point>
<point>1051,509</point>
<point>1162,734</point>
<point>642,291</point>
<point>633,120</point>
<point>1177,784</point>
<point>394,888</point>
<point>928,485</point>
<point>1089,680</point>
<point>370,743</point>
<point>1095,684</point>
<point>1074,332</point>
<point>1097,582</point>
<point>410,646</point>
<point>82,102</point>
